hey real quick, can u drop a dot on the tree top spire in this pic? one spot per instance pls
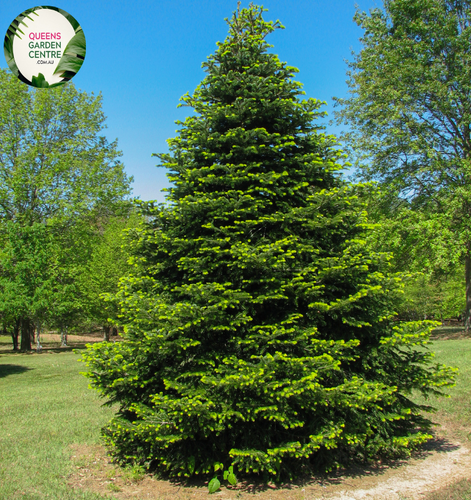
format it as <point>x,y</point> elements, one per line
<point>249,21</point>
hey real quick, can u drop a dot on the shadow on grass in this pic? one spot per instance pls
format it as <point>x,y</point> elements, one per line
<point>8,369</point>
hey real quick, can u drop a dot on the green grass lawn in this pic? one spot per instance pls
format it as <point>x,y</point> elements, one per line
<point>455,410</point>
<point>46,408</point>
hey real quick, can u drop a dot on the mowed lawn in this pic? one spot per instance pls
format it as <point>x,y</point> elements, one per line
<point>46,409</point>
<point>457,408</point>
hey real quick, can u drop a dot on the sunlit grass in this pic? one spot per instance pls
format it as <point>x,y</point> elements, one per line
<point>458,491</point>
<point>455,412</point>
<point>45,407</point>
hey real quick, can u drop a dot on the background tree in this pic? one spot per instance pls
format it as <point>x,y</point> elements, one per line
<point>69,301</point>
<point>258,328</point>
<point>410,113</point>
<point>57,175</point>
<point>424,250</point>
<point>26,279</point>
<point>106,265</point>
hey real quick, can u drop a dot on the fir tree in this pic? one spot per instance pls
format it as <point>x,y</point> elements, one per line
<point>258,326</point>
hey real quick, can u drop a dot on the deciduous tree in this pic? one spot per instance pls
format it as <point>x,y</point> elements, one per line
<point>57,174</point>
<point>106,265</point>
<point>409,111</point>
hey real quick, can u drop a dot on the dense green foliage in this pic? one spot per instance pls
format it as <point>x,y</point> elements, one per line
<point>59,178</point>
<point>432,298</point>
<point>107,263</point>
<point>258,325</point>
<point>409,113</point>
<point>424,250</point>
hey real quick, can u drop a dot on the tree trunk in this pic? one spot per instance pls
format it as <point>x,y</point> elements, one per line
<point>26,329</point>
<point>38,337</point>
<point>106,333</point>
<point>467,316</point>
<point>114,332</point>
<point>15,334</point>
<point>64,337</point>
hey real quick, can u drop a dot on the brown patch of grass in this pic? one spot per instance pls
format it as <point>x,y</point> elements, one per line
<point>447,425</point>
<point>460,490</point>
<point>95,471</point>
<point>51,342</point>
<point>450,332</point>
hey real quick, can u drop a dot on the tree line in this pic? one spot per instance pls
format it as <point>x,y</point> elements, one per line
<point>64,201</point>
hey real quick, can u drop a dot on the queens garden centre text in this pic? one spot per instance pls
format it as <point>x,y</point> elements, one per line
<point>47,49</point>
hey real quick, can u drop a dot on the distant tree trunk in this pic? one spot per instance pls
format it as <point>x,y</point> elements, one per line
<point>106,333</point>
<point>38,337</point>
<point>467,316</point>
<point>114,332</point>
<point>63,337</point>
<point>15,334</point>
<point>26,329</point>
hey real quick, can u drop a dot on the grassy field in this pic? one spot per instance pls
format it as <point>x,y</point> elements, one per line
<point>459,491</point>
<point>456,410</point>
<point>46,411</point>
<point>45,408</point>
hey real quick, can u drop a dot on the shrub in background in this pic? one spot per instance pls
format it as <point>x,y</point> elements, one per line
<point>433,297</point>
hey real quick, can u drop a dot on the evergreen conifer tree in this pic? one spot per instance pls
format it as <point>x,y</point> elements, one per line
<point>258,327</point>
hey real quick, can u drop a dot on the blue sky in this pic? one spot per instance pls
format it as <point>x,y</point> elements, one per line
<point>144,55</point>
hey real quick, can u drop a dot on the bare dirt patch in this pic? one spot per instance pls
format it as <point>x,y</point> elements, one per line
<point>450,331</point>
<point>441,462</point>
<point>51,342</point>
